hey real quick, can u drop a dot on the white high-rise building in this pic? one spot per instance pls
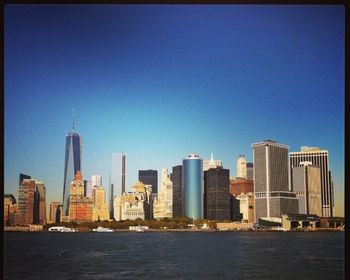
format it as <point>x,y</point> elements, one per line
<point>211,163</point>
<point>96,180</point>
<point>163,205</point>
<point>242,167</point>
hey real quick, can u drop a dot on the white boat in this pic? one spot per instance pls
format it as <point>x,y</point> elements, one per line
<point>61,229</point>
<point>140,229</point>
<point>102,229</point>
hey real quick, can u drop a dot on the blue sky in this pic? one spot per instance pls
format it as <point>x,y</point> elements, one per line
<point>160,82</point>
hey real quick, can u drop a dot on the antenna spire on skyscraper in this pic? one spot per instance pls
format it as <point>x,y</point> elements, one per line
<point>73,127</point>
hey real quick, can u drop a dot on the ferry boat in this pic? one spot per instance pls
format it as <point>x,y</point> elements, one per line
<point>140,229</point>
<point>61,229</point>
<point>102,229</point>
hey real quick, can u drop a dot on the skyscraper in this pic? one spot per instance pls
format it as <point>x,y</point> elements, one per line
<point>149,177</point>
<point>271,182</point>
<point>96,180</point>
<point>163,204</point>
<point>307,186</point>
<point>42,203</point>
<point>176,177</point>
<point>211,163</point>
<point>72,164</point>
<point>250,168</point>
<point>241,167</point>
<point>319,158</point>
<point>193,188</point>
<point>26,200</point>
<point>118,173</point>
<point>216,194</point>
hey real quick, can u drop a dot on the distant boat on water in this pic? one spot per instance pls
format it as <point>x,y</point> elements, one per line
<point>61,229</point>
<point>102,229</point>
<point>140,229</point>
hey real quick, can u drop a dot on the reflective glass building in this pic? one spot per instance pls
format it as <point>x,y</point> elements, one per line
<point>72,164</point>
<point>193,189</point>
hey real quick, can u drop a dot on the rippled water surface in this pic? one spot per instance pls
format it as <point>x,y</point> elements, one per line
<point>176,255</point>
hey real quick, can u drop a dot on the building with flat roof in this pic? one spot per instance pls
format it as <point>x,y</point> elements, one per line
<point>149,177</point>
<point>176,178</point>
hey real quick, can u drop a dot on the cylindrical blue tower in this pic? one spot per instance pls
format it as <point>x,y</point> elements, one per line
<point>192,182</point>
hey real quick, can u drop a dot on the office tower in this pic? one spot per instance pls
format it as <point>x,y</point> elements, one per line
<point>307,186</point>
<point>240,185</point>
<point>271,190</point>
<point>118,172</point>
<point>241,167</point>
<point>72,164</point>
<point>250,169</point>
<point>193,189</point>
<point>216,194</point>
<point>246,206</point>
<point>10,207</point>
<point>176,178</point>
<point>211,163</point>
<point>42,204</point>
<point>134,205</point>
<point>26,201</point>
<point>163,204</point>
<point>88,188</point>
<point>54,215</point>
<point>80,208</point>
<point>149,177</point>
<point>85,187</point>
<point>36,206</point>
<point>96,180</point>
<point>319,158</point>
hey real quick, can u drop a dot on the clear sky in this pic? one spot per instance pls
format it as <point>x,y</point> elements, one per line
<point>160,82</point>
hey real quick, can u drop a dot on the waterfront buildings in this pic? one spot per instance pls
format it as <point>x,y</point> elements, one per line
<point>149,177</point>
<point>42,201</point>
<point>211,163</point>
<point>10,207</point>
<point>118,173</point>
<point>242,167</point>
<point>72,164</point>
<point>193,187</point>
<point>163,204</point>
<point>307,187</point>
<point>216,194</point>
<point>80,208</point>
<point>26,201</point>
<point>134,205</point>
<point>319,158</point>
<point>176,178</point>
<point>271,182</point>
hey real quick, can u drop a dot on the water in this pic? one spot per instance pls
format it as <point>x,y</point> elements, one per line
<point>175,255</point>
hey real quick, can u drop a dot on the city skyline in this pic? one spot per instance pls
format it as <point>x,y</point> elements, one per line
<point>160,82</point>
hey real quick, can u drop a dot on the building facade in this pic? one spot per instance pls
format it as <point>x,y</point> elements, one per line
<point>149,177</point>
<point>216,194</point>
<point>96,180</point>
<point>163,204</point>
<point>10,207</point>
<point>134,205</point>
<point>250,171</point>
<point>176,177</point>
<point>80,208</point>
<point>240,185</point>
<point>211,163</point>
<point>100,212</point>
<point>246,206</point>
<point>42,203</point>
<point>193,186</point>
<point>271,182</point>
<point>307,187</point>
<point>118,173</point>
<point>26,201</point>
<point>55,213</point>
<point>242,167</point>
<point>72,164</point>
<point>319,158</point>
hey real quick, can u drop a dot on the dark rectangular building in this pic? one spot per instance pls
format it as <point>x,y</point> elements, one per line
<point>149,177</point>
<point>176,178</point>
<point>216,194</point>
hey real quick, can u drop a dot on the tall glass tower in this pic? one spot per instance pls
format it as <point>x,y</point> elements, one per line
<point>193,188</point>
<point>72,164</point>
